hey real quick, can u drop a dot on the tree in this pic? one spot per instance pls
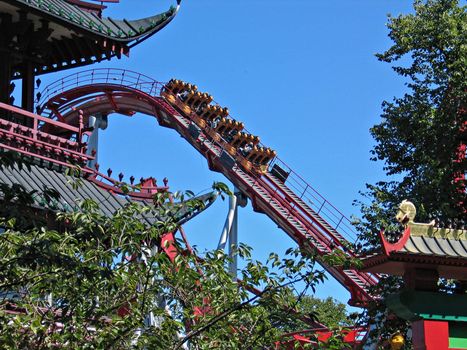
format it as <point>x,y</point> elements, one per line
<point>82,280</point>
<point>420,133</point>
<point>330,312</point>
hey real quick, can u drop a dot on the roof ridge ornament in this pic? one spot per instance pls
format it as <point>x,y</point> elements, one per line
<point>406,212</point>
<point>433,230</point>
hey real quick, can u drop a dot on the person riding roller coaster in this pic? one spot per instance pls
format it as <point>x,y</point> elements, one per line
<point>243,138</point>
<point>219,121</point>
<point>176,86</point>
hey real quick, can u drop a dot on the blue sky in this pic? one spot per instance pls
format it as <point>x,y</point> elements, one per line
<point>300,74</point>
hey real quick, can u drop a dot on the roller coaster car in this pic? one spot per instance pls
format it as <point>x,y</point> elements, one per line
<point>261,155</point>
<point>169,97</point>
<point>228,131</point>
<point>253,154</point>
<point>176,86</point>
<point>198,101</point>
<point>205,98</point>
<point>268,155</point>
<point>224,112</point>
<point>171,84</point>
<point>242,139</point>
<point>205,111</point>
<point>214,135</point>
<point>187,96</point>
<point>172,99</point>
<point>255,158</point>
<point>239,126</point>
<point>226,125</point>
<point>170,90</point>
<point>201,123</point>
<point>186,109</point>
<point>212,112</point>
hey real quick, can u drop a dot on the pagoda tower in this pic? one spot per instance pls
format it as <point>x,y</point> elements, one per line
<point>421,254</point>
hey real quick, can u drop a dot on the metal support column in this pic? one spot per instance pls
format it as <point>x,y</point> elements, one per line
<point>225,235</point>
<point>233,242</point>
<point>230,231</point>
<point>97,121</point>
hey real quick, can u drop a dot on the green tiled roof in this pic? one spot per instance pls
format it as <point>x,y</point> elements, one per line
<point>65,35</point>
<point>35,179</point>
<point>119,30</point>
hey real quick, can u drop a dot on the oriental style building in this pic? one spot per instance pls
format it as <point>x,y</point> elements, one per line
<point>422,254</point>
<point>41,159</point>
<point>44,36</point>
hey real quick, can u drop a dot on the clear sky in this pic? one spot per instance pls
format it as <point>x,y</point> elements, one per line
<point>301,74</point>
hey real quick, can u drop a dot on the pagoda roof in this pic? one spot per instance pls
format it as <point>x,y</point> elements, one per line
<point>420,245</point>
<point>37,179</point>
<point>60,34</point>
<point>428,240</point>
<point>62,11</point>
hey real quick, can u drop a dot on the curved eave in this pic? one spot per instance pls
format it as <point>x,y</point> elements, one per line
<point>151,31</point>
<point>76,19</point>
<point>397,263</point>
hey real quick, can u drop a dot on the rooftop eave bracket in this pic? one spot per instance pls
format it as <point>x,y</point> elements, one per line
<point>394,247</point>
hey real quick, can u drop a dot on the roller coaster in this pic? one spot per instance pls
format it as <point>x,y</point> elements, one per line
<point>273,187</point>
<point>43,36</point>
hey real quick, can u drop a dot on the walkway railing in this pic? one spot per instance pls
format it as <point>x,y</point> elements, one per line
<point>119,77</point>
<point>316,201</point>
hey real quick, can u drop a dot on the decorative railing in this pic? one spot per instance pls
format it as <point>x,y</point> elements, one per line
<point>34,135</point>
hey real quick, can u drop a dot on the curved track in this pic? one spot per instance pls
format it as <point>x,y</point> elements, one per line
<point>290,202</point>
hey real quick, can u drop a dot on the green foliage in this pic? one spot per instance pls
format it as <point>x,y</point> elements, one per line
<point>222,189</point>
<point>329,311</point>
<point>419,134</point>
<point>82,280</point>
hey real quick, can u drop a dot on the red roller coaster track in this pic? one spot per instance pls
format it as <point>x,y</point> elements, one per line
<point>294,205</point>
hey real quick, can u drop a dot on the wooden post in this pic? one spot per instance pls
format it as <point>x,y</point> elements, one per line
<point>27,98</point>
<point>5,76</point>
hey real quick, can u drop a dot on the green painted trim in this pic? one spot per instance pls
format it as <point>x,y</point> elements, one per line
<point>443,317</point>
<point>414,305</point>
<point>458,335</point>
<point>457,343</point>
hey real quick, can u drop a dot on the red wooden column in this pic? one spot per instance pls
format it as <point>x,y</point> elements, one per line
<point>27,100</point>
<point>430,335</point>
